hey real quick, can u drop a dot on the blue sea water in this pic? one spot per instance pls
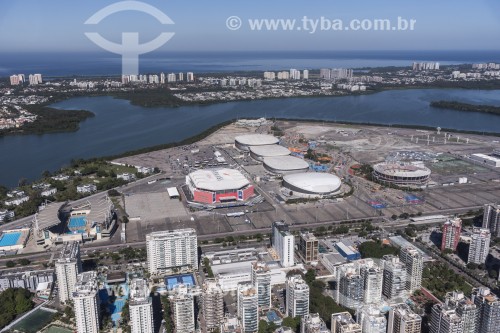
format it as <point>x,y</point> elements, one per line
<point>87,64</point>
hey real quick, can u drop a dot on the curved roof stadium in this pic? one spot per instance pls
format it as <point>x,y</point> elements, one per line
<point>285,164</point>
<point>218,179</point>
<point>401,174</point>
<point>312,183</point>
<point>259,152</point>
<point>243,142</point>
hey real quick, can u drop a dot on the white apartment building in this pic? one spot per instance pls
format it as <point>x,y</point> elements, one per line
<point>395,277</point>
<point>371,319</point>
<point>171,249</point>
<point>342,322</point>
<point>414,263</point>
<point>68,266</point>
<point>491,219</point>
<point>312,323</point>
<point>140,307</point>
<point>297,296</point>
<point>183,309</point>
<point>403,320</point>
<point>212,303</point>
<point>283,243</point>
<point>261,279</point>
<point>248,307</point>
<point>372,276</point>
<point>86,303</point>
<point>479,246</point>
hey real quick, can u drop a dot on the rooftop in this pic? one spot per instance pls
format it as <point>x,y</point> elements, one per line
<point>69,252</point>
<point>289,163</point>
<point>256,139</point>
<point>139,292</point>
<point>86,284</point>
<point>218,179</point>
<point>314,182</point>
<point>270,150</point>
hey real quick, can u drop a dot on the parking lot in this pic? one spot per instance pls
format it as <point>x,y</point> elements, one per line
<point>152,210</point>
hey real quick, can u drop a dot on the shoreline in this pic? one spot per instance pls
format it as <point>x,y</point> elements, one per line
<point>200,136</point>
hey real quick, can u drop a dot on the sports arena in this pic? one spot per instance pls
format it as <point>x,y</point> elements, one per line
<point>219,185</point>
<point>244,142</point>
<point>260,152</point>
<point>285,164</point>
<point>312,184</point>
<point>401,173</point>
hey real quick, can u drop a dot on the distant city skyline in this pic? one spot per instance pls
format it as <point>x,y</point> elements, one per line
<point>58,26</point>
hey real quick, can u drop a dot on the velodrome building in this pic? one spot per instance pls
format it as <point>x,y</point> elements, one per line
<point>312,184</point>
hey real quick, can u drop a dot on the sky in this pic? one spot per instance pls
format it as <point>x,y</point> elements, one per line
<point>201,25</point>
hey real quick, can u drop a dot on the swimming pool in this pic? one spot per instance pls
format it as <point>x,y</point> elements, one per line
<point>77,222</point>
<point>9,239</point>
<point>172,281</point>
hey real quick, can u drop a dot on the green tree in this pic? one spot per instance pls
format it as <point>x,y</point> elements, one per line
<point>310,276</point>
<point>24,262</point>
<point>10,264</point>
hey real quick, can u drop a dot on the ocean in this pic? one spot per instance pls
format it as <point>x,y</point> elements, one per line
<point>89,64</point>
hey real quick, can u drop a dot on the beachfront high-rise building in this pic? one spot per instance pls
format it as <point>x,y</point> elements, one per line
<point>67,267</point>
<point>190,77</point>
<point>342,322</point>
<point>395,276</point>
<point>297,296</point>
<point>308,247</point>
<point>451,234</point>
<point>403,320</point>
<point>312,323</point>
<point>248,307</point>
<point>305,74</point>
<point>140,307</point>
<point>414,263</point>
<point>86,302</point>
<point>181,76</point>
<point>182,303</point>
<point>283,243</point>
<point>261,279</point>
<point>212,303</point>
<point>491,219</point>
<point>489,310</point>
<point>16,79</point>
<point>479,246</point>
<point>171,249</point>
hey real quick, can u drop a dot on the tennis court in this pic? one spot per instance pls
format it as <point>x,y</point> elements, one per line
<point>377,204</point>
<point>10,238</point>
<point>413,199</point>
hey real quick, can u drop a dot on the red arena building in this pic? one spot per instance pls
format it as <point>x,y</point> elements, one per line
<point>219,185</point>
